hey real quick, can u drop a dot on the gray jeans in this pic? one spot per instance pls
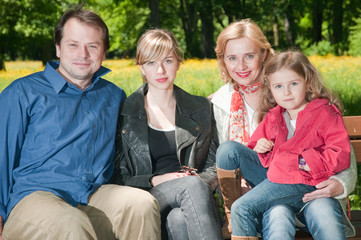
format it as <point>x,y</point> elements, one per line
<point>188,209</point>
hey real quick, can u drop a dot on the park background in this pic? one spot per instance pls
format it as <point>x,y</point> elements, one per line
<point>328,31</point>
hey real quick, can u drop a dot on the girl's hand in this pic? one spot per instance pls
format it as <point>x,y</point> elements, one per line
<point>263,145</point>
<point>304,167</point>
<point>158,179</point>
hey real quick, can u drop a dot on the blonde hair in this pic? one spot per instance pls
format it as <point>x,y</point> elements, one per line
<point>157,43</point>
<point>297,62</point>
<point>245,28</point>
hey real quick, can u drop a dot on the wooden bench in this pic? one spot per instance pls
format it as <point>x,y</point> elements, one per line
<point>353,125</point>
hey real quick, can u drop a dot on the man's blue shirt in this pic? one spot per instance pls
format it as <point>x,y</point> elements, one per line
<point>55,137</point>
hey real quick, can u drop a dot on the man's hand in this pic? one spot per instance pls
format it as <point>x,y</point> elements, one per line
<point>1,227</point>
<point>263,145</point>
<point>328,188</point>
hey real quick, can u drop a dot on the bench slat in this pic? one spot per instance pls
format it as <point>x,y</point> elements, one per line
<point>356,145</point>
<point>353,126</point>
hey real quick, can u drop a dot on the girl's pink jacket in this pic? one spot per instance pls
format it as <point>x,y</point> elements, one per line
<point>320,138</point>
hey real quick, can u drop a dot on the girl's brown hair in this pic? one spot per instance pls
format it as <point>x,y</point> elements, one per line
<point>299,63</point>
<point>245,28</point>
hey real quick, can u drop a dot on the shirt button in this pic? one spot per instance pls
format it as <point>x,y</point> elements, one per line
<point>88,112</point>
<point>94,125</point>
<point>90,148</point>
<point>87,170</point>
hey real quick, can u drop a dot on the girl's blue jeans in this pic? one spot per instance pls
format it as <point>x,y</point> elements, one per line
<point>271,206</point>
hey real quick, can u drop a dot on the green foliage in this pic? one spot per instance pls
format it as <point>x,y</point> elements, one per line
<point>321,48</point>
<point>125,20</point>
<point>26,26</point>
<point>355,38</point>
<point>355,199</point>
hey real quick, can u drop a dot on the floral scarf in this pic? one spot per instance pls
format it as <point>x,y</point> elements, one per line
<point>238,125</point>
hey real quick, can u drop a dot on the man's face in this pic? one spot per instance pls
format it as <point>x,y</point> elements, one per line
<point>81,52</point>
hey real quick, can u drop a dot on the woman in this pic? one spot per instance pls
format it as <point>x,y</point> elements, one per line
<point>241,50</point>
<point>162,128</point>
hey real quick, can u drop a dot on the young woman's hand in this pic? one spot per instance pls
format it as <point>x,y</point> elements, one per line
<point>158,179</point>
<point>263,145</point>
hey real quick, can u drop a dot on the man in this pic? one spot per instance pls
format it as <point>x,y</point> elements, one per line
<point>57,130</point>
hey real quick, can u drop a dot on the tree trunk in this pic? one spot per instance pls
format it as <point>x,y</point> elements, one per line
<point>337,12</point>
<point>317,18</point>
<point>154,13</point>
<point>46,51</point>
<point>189,20</point>
<point>275,32</point>
<point>289,25</point>
<point>205,13</point>
<point>2,62</point>
<point>232,9</point>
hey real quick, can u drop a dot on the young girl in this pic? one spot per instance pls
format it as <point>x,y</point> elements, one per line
<point>302,141</point>
<point>162,128</point>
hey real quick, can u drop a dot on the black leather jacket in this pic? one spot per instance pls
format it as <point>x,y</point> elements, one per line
<point>195,138</point>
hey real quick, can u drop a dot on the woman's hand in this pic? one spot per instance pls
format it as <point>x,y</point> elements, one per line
<point>158,179</point>
<point>328,188</point>
<point>263,145</point>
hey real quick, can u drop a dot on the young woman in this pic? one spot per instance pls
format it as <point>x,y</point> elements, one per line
<point>166,143</point>
<point>242,50</point>
<point>301,141</point>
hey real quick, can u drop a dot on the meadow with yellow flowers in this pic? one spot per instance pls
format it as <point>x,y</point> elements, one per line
<point>201,77</point>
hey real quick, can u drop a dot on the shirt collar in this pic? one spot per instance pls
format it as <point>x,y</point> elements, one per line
<point>58,82</point>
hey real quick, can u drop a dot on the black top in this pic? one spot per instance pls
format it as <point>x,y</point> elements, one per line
<point>162,147</point>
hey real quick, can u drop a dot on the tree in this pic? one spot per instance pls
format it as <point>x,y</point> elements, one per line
<point>8,16</point>
<point>187,12</point>
<point>205,7</point>
<point>126,20</point>
<point>154,13</point>
<point>317,18</point>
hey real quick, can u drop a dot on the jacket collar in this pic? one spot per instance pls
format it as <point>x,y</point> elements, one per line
<point>314,104</point>
<point>222,98</point>
<point>306,113</point>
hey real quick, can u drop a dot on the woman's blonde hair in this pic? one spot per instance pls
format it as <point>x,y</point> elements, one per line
<point>245,28</point>
<point>297,62</point>
<point>157,43</point>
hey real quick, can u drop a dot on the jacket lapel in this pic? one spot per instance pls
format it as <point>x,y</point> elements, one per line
<point>135,128</point>
<point>187,128</point>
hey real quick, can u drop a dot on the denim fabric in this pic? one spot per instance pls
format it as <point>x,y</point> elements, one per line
<point>176,225</point>
<point>321,217</point>
<point>196,203</point>
<point>232,155</point>
<point>245,210</point>
<point>278,221</point>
